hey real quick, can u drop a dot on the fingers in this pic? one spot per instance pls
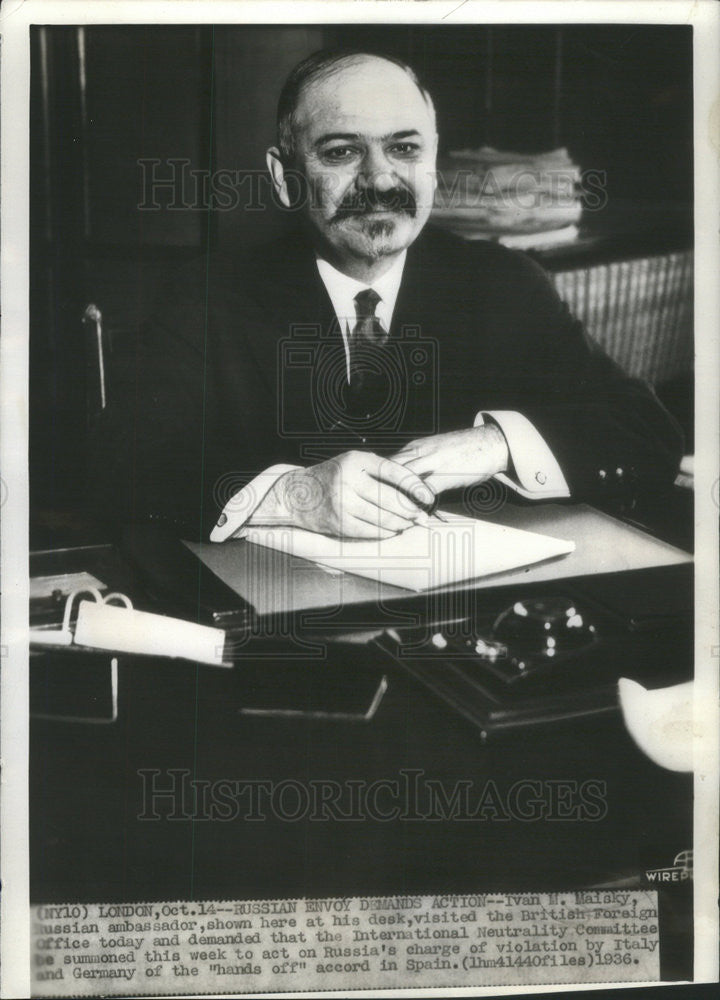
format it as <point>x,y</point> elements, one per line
<point>439,483</point>
<point>404,456</point>
<point>385,470</point>
<point>442,481</point>
<point>421,465</point>
<point>371,513</point>
<point>355,527</point>
<point>389,499</point>
<point>373,497</point>
<point>413,449</point>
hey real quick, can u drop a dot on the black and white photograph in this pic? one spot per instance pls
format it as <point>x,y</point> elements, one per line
<point>360,436</point>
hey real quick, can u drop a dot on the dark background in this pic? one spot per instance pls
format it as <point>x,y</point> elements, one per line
<point>103,97</point>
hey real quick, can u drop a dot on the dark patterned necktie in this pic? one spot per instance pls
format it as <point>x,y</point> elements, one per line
<point>367,339</point>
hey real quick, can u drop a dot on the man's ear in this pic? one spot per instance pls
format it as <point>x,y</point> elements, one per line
<point>435,172</point>
<point>275,165</point>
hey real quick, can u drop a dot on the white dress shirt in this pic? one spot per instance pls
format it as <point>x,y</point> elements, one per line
<point>342,290</point>
<point>537,475</point>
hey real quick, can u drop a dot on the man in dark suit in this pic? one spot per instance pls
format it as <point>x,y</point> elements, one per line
<point>342,378</point>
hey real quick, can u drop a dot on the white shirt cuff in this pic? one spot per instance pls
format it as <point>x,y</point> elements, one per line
<point>242,505</point>
<point>537,473</point>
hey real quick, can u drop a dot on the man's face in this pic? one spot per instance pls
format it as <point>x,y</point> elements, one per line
<point>366,144</point>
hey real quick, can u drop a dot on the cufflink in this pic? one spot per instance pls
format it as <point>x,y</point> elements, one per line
<point>222,520</point>
<point>540,478</point>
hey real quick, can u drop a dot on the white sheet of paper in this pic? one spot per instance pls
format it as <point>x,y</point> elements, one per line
<point>448,551</point>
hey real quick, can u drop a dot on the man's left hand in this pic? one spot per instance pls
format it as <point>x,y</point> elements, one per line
<point>460,458</point>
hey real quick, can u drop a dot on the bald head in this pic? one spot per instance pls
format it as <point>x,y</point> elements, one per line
<point>328,65</point>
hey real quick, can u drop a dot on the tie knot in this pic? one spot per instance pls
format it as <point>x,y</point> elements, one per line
<point>365,303</point>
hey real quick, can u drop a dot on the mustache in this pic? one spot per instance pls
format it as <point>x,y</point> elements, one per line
<point>396,199</point>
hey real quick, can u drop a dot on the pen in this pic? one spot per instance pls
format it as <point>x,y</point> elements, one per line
<point>434,512</point>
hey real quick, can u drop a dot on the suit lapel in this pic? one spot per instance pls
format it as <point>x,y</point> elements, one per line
<point>415,305</point>
<point>291,301</point>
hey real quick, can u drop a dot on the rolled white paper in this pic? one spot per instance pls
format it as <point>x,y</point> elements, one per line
<point>106,626</point>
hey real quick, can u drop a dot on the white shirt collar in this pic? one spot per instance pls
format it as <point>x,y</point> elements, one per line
<point>342,291</point>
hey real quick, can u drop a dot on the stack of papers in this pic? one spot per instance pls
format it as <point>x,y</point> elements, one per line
<point>520,199</point>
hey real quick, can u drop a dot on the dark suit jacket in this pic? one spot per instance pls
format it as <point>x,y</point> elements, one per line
<point>242,366</point>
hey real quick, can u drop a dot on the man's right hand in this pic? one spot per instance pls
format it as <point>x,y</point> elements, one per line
<point>355,495</point>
